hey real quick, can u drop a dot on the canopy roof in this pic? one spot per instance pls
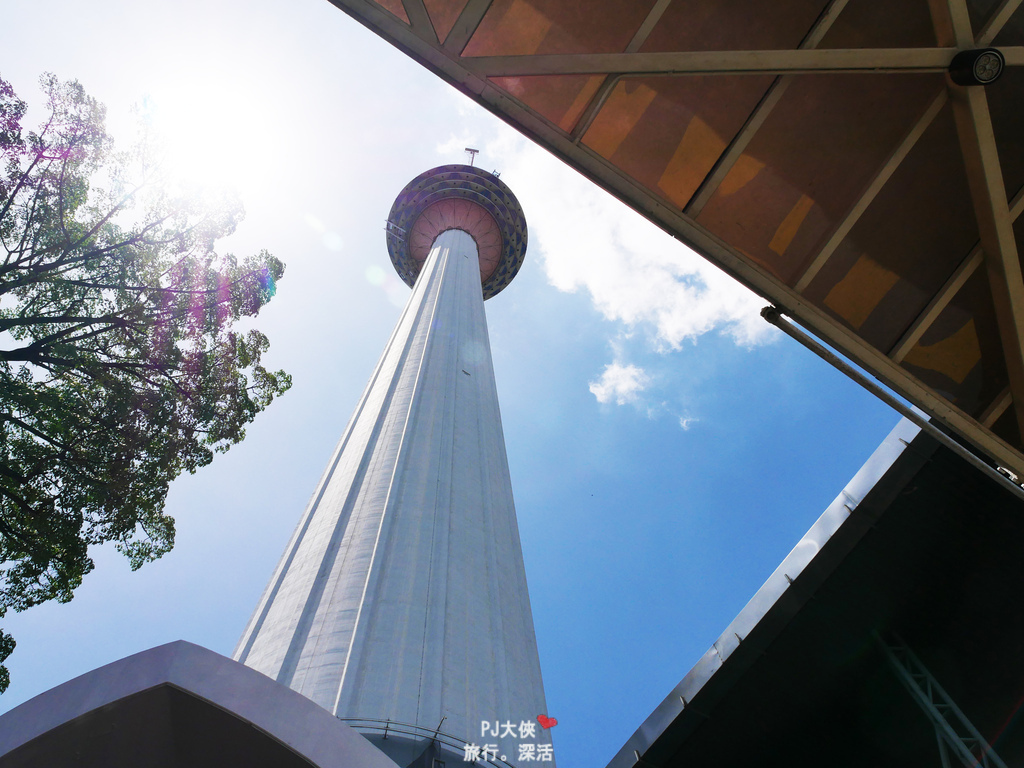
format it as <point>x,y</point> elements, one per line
<point>919,553</point>
<point>817,151</point>
<point>179,706</point>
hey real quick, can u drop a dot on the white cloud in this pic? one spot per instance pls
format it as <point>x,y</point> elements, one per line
<point>621,383</point>
<point>635,273</point>
<point>686,422</point>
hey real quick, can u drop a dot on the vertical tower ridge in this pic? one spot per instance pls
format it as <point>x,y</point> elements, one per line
<point>429,337</point>
<point>402,596</point>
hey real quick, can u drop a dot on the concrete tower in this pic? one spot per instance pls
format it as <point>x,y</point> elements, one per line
<point>401,598</point>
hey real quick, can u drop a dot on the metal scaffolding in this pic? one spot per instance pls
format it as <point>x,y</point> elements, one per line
<point>954,732</point>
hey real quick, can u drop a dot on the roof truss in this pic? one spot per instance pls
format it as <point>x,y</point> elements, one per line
<point>996,249</point>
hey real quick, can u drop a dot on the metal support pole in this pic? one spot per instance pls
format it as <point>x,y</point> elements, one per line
<point>956,734</point>
<point>774,316</point>
<point>943,749</point>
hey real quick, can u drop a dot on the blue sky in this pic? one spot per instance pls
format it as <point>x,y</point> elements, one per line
<point>667,448</point>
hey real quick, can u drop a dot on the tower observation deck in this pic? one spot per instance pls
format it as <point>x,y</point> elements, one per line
<point>401,599</point>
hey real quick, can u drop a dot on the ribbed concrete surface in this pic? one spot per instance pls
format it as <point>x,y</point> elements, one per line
<point>402,594</point>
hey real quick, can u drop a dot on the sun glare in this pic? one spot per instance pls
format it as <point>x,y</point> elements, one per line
<point>215,128</point>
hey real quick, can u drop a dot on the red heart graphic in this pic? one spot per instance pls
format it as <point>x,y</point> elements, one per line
<point>546,722</point>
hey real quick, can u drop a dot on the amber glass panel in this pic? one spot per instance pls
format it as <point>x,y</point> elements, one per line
<point>523,27</point>
<point>732,25</point>
<point>810,162</point>
<point>960,354</point>
<point>889,24</point>
<point>443,15</point>
<point>668,132</point>
<point>1005,101</point>
<point>395,7</point>
<point>910,240</point>
<point>559,98</point>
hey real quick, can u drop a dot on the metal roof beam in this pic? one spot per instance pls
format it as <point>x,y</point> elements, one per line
<point>756,278</point>
<point>996,23</point>
<point>988,194</point>
<point>466,25</point>
<point>598,99</point>
<point>941,300</point>
<point>420,21</point>
<point>995,226</point>
<point>653,17</point>
<point>588,115</point>
<point>750,274</point>
<point>874,187</point>
<point>876,60</point>
<point>761,112</point>
<point>738,146</point>
<point>1014,55</point>
<point>906,385</point>
<point>477,86</point>
<point>938,303</point>
<point>944,33</point>
<point>996,408</point>
<point>952,23</point>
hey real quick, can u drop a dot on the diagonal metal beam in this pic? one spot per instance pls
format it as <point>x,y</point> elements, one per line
<point>952,23</point>
<point>824,22</point>
<point>419,20</point>
<point>985,179</point>
<point>945,36</point>
<point>673,221</point>
<point>598,99</point>
<point>938,303</point>
<point>988,195</point>
<point>761,112</point>
<point>645,29</point>
<point>888,168</point>
<point>775,317</point>
<point>874,60</point>
<point>941,300</point>
<point>594,107</point>
<point>985,37</point>
<point>996,22</point>
<point>738,146</point>
<point>961,736</point>
<point>996,408</point>
<point>813,37</point>
<point>747,273</point>
<point>464,27</point>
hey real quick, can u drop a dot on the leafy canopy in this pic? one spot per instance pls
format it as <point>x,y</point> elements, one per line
<point>120,363</point>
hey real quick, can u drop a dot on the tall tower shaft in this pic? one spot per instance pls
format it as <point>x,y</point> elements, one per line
<point>402,594</point>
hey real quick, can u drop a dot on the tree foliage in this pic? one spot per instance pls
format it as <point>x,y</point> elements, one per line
<point>120,362</point>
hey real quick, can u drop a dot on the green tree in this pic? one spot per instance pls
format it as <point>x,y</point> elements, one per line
<point>120,363</point>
